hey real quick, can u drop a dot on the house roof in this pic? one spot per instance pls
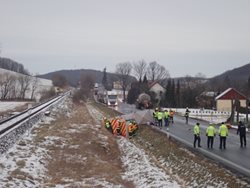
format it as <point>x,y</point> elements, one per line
<point>229,94</point>
<point>151,84</point>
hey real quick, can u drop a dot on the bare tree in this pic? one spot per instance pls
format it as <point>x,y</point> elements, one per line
<point>6,84</point>
<point>140,69</point>
<point>24,82</point>
<point>157,72</point>
<point>123,70</point>
<point>34,86</point>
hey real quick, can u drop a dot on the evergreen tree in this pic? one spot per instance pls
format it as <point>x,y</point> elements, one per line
<point>178,97</point>
<point>104,78</point>
<point>145,80</point>
<point>168,94</point>
<point>173,104</point>
<point>248,86</point>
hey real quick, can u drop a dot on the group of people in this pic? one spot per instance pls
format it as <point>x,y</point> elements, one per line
<point>223,133</point>
<point>160,116</point>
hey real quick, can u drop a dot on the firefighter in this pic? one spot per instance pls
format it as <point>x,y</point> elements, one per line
<point>107,124</point>
<point>242,132</point>
<point>197,135</point>
<point>210,133</point>
<point>223,132</point>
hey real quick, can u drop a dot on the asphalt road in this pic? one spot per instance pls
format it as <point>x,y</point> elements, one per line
<point>234,157</point>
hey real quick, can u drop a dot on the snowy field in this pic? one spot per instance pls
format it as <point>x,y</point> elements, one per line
<point>5,106</point>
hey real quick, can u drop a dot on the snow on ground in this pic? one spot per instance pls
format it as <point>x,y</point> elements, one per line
<point>28,158</point>
<point>5,106</point>
<point>139,167</point>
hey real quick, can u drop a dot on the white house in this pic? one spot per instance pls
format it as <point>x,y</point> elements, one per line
<point>157,89</point>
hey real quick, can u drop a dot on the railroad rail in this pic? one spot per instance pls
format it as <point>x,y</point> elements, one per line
<point>13,127</point>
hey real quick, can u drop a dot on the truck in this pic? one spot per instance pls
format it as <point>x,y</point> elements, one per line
<point>111,98</point>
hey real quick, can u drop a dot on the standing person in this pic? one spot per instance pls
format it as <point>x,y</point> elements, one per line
<point>197,135</point>
<point>159,117</point>
<point>242,131</point>
<point>166,118</point>
<point>223,132</point>
<point>210,133</point>
<point>187,115</point>
<point>155,115</point>
<point>171,116</point>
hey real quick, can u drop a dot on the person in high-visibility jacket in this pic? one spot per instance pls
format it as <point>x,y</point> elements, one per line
<point>210,133</point>
<point>223,132</point>
<point>155,115</point>
<point>197,135</point>
<point>160,117</point>
<point>107,124</point>
<point>166,118</point>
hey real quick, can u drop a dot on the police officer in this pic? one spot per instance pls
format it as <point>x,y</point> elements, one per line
<point>197,135</point>
<point>223,132</point>
<point>210,133</point>
<point>242,131</point>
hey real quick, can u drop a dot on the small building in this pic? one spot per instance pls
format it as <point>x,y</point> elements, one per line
<point>224,100</point>
<point>157,89</point>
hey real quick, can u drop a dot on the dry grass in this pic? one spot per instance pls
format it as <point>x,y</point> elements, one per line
<point>79,153</point>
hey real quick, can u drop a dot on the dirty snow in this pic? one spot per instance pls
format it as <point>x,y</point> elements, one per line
<point>30,155</point>
<point>140,169</point>
<point>27,157</point>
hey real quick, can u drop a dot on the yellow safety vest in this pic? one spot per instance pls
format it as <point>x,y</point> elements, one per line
<point>211,131</point>
<point>223,131</point>
<point>159,115</point>
<point>196,130</point>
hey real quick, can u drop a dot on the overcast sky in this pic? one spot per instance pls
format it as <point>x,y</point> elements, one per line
<point>186,36</point>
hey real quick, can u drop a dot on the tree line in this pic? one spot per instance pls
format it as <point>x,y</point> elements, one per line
<point>11,65</point>
<point>179,92</point>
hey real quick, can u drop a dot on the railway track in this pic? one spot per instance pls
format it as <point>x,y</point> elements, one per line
<point>12,128</point>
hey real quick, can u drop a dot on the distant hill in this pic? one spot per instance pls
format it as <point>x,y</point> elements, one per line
<point>237,74</point>
<point>236,78</point>
<point>73,76</point>
<point>9,64</point>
